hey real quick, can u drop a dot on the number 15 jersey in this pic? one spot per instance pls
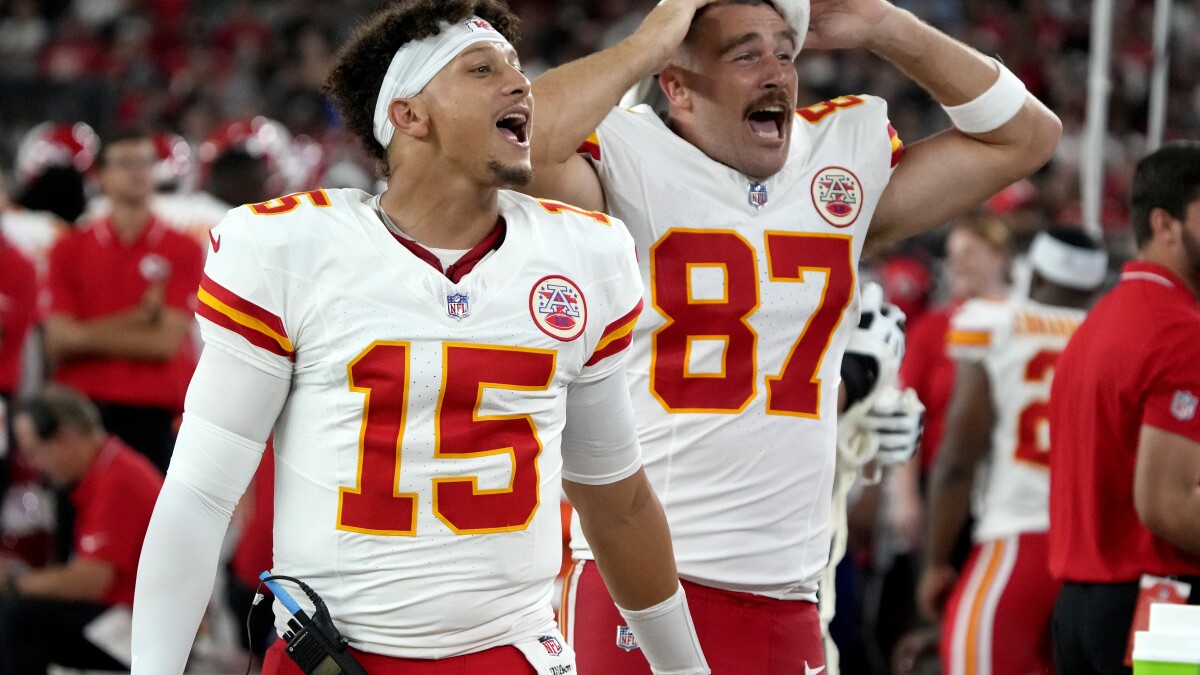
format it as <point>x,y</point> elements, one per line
<point>418,452</point>
<point>735,371</point>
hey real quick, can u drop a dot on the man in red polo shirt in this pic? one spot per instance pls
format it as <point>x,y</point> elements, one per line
<point>18,306</point>
<point>121,293</point>
<point>43,613</point>
<point>1125,433</point>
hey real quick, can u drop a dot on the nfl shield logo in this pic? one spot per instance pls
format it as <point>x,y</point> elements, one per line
<point>458,305</point>
<point>758,195</point>
<point>552,645</point>
<point>1183,406</point>
<point>625,638</point>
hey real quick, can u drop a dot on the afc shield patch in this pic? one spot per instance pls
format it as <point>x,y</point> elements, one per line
<point>458,305</point>
<point>558,308</point>
<point>626,639</point>
<point>552,645</point>
<point>837,195</point>
<point>1183,406</point>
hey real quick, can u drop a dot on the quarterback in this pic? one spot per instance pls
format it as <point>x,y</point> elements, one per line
<point>430,360</point>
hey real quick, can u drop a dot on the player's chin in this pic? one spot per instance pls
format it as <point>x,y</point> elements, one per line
<point>509,174</point>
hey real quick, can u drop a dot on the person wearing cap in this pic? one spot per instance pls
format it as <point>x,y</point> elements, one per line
<point>994,464</point>
<point>431,361</point>
<point>1124,429</point>
<point>750,218</point>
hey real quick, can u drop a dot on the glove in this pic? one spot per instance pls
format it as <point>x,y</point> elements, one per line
<point>898,420</point>
<point>872,358</point>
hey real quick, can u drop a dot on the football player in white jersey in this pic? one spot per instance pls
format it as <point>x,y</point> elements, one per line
<point>749,220</point>
<point>431,361</point>
<point>994,462</point>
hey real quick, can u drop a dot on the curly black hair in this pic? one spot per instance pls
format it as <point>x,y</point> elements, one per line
<point>360,65</point>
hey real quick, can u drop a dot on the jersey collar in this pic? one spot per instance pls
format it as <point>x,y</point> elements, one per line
<point>468,261</point>
<point>1142,270</point>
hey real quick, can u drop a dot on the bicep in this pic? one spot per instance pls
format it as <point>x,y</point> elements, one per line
<point>574,182</point>
<point>949,173</point>
<point>599,441</point>
<point>1167,469</point>
<point>234,395</point>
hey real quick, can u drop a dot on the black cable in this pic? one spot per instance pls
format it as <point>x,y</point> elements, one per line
<point>258,597</point>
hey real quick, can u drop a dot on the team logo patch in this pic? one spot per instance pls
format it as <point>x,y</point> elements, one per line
<point>552,645</point>
<point>558,308</point>
<point>837,195</point>
<point>1183,406</point>
<point>458,305</point>
<point>154,268</point>
<point>626,639</point>
<point>758,195</point>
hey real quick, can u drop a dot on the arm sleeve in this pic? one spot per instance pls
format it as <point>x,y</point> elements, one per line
<point>975,329</point>
<point>599,444</point>
<point>230,409</point>
<point>1172,402</point>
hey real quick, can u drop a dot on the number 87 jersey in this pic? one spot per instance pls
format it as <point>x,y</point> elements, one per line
<point>418,452</point>
<point>735,371</point>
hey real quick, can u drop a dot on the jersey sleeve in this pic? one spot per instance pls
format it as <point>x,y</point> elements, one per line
<point>620,306</point>
<point>976,329</point>
<point>1172,401</point>
<point>239,311</point>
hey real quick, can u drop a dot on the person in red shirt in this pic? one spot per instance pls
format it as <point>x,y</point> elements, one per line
<point>43,612</point>
<point>121,293</point>
<point>1124,428</point>
<point>18,307</point>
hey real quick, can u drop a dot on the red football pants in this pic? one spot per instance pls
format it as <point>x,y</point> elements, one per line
<point>998,618</point>
<point>739,632</point>
<point>501,661</point>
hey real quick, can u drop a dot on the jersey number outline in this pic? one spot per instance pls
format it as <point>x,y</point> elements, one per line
<point>796,389</point>
<point>381,373</point>
<point>1030,449</point>
<point>289,203</point>
<point>815,113</point>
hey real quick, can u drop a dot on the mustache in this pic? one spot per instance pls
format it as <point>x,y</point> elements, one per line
<point>776,97</point>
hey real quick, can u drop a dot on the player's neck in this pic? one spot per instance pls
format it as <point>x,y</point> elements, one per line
<point>439,211</point>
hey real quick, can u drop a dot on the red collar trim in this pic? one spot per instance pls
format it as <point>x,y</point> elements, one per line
<point>467,262</point>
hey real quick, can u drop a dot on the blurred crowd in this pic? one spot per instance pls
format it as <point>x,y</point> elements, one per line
<point>231,91</point>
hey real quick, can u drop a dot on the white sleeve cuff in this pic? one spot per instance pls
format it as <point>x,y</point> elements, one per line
<point>599,440</point>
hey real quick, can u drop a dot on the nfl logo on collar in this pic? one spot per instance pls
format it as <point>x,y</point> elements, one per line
<point>757,195</point>
<point>458,305</point>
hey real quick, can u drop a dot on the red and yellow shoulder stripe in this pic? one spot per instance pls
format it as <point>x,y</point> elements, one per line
<point>897,145</point>
<point>617,336</point>
<point>591,147</point>
<point>258,326</point>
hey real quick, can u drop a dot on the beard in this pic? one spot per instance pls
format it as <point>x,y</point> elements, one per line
<point>510,176</point>
<point>1191,251</point>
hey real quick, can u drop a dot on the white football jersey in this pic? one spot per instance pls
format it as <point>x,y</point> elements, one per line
<point>1017,341</point>
<point>735,371</point>
<point>418,453</point>
<point>33,233</point>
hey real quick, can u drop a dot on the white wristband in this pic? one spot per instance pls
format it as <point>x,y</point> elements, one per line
<point>667,637</point>
<point>993,108</point>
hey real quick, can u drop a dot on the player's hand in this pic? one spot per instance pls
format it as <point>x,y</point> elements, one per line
<point>665,27</point>
<point>937,582</point>
<point>898,420</point>
<point>845,24</point>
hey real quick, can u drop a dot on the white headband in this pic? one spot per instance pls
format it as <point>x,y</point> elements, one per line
<point>795,13</point>
<point>1079,268</point>
<point>418,62</point>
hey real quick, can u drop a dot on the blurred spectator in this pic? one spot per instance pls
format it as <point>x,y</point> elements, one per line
<point>18,309</point>
<point>22,34</point>
<point>121,293</point>
<point>1125,433</point>
<point>51,163</point>
<point>44,612</point>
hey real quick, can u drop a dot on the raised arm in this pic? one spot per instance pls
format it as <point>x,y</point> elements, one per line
<point>976,164</point>
<point>572,100</point>
<point>968,429</point>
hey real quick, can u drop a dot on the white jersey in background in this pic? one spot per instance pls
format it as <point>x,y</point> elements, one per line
<point>418,454</point>
<point>750,303</point>
<point>1017,341</point>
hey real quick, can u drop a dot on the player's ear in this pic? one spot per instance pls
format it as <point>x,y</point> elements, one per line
<point>1161,225</point>
<point>410,116</point>
<point>673,82</point>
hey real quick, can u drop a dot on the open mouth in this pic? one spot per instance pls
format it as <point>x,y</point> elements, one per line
<point>514,127</point>
<point>767,122</point>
